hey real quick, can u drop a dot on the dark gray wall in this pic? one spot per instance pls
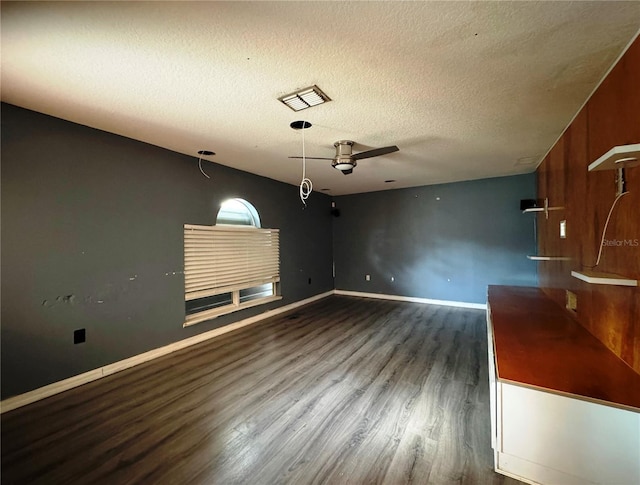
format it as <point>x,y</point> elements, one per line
<point>446,249</point>
<point>92,237</point>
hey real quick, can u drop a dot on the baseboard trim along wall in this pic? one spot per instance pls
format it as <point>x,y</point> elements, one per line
<point>107,370</point>
<point>459,304</point>
<point>95,374</point>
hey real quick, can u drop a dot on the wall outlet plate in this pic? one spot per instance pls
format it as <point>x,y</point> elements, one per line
<point>79,336</point>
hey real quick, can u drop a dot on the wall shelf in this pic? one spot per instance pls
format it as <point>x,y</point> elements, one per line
<point>618,157</point>
<point>598,278</point>
<point>548,258</point>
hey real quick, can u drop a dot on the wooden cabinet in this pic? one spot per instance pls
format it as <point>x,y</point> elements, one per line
<point>564,408</point>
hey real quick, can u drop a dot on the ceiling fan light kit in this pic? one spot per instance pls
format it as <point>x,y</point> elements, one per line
<point>345,160</point>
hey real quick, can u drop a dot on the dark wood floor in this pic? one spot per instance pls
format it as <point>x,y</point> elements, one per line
<point>345,390</point>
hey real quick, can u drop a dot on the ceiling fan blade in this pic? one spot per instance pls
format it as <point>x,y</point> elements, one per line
<point>347,172</point>
<point>376,152</point>
<point>313,158</point>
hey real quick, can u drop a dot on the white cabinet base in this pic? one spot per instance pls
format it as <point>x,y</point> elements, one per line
<point>548,438</point>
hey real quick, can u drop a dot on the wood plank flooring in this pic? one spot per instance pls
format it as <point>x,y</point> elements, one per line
<point>342,391</point>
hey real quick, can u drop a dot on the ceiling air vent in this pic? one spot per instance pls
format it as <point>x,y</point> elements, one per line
<point>305,98</point>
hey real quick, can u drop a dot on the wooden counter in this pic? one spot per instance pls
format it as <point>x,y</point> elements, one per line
<point>537,344</point>
<point>564,408</point>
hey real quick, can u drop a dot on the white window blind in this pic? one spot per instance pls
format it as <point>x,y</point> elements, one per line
<point>228,259</point>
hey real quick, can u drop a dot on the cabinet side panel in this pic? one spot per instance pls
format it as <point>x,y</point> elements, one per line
<point>594,442</point>
<point>492,380</point>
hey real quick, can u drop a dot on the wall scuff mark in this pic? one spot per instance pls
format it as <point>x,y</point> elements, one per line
<point>66,299</point>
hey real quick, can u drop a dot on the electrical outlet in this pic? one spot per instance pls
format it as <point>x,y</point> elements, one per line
<point>79,336</point>
<point>367,277</point>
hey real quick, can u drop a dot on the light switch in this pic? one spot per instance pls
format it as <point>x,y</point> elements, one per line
<point>571,300</point>
<point>563,229</point>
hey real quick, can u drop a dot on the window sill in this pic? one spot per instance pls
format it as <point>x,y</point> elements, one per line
<point>225,310</point>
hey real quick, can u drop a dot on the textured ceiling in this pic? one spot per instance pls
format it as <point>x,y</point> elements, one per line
<point>466,90</point>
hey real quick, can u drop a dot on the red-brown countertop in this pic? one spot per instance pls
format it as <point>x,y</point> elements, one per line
<point>537,344</point>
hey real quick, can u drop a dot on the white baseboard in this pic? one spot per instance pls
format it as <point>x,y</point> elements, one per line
<point>92,375</point>
<point>459,304</point>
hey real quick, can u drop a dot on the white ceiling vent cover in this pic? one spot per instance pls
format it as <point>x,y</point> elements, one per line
<point>305,98</point>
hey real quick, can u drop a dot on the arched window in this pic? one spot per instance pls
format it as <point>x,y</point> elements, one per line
<point>230,266</point>
<point>238,212</point>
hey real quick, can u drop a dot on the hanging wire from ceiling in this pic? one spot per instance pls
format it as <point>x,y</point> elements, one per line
<point>203,152</point>
<point>306,186</point>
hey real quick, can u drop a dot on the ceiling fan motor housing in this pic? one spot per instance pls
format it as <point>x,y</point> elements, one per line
<point>343,159</point>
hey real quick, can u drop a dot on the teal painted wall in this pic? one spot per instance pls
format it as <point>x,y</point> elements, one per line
<point>443,242</point>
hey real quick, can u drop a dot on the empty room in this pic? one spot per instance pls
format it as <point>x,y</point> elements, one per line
<point>320,242</point>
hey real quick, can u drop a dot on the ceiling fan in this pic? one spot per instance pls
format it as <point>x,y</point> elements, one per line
<point>345,160</point>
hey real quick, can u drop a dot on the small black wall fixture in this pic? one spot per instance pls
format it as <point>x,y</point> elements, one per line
<point>528,204</point>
